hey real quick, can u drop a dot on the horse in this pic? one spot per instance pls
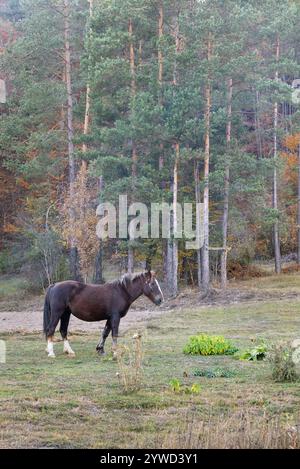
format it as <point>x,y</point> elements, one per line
<point>89,302</point>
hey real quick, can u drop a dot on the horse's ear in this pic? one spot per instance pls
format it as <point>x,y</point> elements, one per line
<point>148,275</point>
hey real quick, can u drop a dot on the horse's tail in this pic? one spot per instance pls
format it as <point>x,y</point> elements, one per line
<point>47,309</point>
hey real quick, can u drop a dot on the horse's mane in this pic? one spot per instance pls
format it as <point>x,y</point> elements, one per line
<point>127,279</point>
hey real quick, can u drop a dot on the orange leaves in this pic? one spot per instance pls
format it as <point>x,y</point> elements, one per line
<point>9,228</point>
<point>290,175</point>
<point>291,142</point>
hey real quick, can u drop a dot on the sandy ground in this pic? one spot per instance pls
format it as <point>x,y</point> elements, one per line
<point>30,318</point>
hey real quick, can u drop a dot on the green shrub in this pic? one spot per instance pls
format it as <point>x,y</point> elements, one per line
<point>282,364</point>
<point>259,352</point>
<point>204,344</point>
<point>11,287</point>
<point>10,261</point>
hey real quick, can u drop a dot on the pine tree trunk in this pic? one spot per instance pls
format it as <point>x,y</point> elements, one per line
<point>134,157</point>
<point>160,35</point>
<point>161,162</point>
<point>275,181</point>
<point>70,130</point>
<point>74,271</point>
<point>84,146</point>
<point>160,71</point>
<point>298,204</point>
<point>226,187</point>
<point>169,263</point>
<point>258,125</point>
<point>205,249</point>
<point>198,200</point>
<point>87,97</point>
<point>173,243</point>
<point>98,276</point>
<point>175,219</point>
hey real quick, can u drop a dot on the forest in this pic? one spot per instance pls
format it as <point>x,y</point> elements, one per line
<point>130,105</point>
<point>162,100</point>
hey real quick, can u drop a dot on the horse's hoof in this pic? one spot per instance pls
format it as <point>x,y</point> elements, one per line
<point>51,355</point>
<point>101,352</point>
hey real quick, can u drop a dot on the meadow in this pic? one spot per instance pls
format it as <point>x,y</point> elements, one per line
<point>79,402</point>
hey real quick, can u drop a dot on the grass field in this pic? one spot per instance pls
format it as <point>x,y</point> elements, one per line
<point>73,403</point>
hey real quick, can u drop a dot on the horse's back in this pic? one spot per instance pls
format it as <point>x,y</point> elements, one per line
<point>89,302</point>
<point>63,292</point>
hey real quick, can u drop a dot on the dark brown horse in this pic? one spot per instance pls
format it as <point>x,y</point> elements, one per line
<point>109,302</point>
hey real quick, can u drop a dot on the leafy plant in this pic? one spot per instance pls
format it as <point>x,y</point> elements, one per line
<point>282,363</point>
<point>177,387</point>
<point>215,373</point>
<point>259,352</point>
<point>204,344</point>
<point>195,388</point>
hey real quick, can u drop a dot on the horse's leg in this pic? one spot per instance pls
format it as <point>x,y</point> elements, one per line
<point>105,334</point>
<point>64,323</point>
<point>55,317</point>
<point>49,348</point>
<point>115,321</point>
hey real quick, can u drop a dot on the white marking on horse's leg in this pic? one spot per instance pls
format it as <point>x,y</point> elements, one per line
<point>67,348</point>
<point>50,349</point>
<point>158,286</point>
<point>115,348</point>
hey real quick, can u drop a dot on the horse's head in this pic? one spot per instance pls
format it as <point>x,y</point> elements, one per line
<point>151,288</point>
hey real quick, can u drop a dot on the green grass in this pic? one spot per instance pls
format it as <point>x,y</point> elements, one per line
<point>11,287</point>
<point>16,294</point>
<point>78,402</point>
<point>287,281</point>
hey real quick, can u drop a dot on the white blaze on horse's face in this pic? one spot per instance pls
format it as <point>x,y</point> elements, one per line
<point>159,289</point>
<point>153,291</point>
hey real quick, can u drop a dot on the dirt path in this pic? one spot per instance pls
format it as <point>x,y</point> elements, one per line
<point>30,319</point>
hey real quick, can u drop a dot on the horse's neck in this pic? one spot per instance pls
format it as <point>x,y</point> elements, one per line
<point>136,290</point>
